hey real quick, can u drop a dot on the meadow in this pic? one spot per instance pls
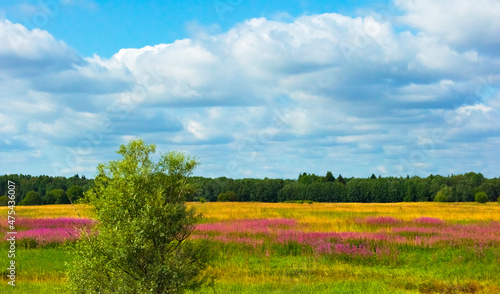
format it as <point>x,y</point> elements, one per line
<point>299,248</point>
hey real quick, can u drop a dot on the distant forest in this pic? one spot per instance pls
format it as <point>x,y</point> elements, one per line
<point>33,190</point>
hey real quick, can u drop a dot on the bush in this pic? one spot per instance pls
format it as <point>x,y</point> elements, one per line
<point>202,200</point>
<point>498,200</point>
<point>228,196</point>
<point>481,197</point>
<point>440,197</point>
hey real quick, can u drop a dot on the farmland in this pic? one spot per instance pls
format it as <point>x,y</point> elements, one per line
<point>302,248</point>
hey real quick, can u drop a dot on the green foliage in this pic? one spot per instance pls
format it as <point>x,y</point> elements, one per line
<point>228,196</point>
<point>444,195</point>
<point>498,199</point>
<point>308,179</point>
<point>41,184</point>
<point>75,193</point>
<point>4,200</point>
<point>32,198</point>
<point>307,186</point>
<point>56,196</point>
<point>341,180</point>
<point>140,243</point>
<point>481,197</point>
<point>329,177</point>
<point>440,197</point>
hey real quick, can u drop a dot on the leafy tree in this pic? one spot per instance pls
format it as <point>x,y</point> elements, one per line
<point>440,197</point>
<point>308,179</point>
<point>341,180</point>
<point>228,196</point>
<point>481,197</point>
<point>75,193</point>
<point>410,190</point>
<point>140,242</point>
<point>4,200</point>
<point>329,177</point>
<point>32,198</point>
<point>444,195</point>
<point>56,196</point>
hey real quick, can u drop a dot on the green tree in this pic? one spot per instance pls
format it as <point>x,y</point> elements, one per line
<point>4,200</point>
<point>481,197</point>
<point>329,177</point>
<point>440,197</point>
<point>140,242</point>
<point>228,196</point>
<point>75,193</point>
<point>32,198</point>
<point>341,180</point>
<point>444,195</point>
<point>56,196</point>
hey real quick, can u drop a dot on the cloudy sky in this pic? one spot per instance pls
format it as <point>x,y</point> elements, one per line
<point>253,88</point>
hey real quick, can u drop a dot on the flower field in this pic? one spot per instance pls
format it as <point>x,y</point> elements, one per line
<point>303,248</point>
<point>43,232</point>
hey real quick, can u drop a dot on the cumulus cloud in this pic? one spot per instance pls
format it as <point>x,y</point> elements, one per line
<point>355,95</point>
<point>25,53</point>
<point>467,25</point>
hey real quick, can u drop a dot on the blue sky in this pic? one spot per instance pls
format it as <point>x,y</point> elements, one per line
<point>105,27</point>
<point>252,88</point>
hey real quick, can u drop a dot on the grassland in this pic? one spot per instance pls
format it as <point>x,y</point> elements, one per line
<point>316,248</point>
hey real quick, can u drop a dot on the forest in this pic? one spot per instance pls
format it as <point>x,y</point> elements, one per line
<point>39,190</point>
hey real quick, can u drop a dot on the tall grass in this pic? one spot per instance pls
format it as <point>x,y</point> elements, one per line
<point>317,248</point>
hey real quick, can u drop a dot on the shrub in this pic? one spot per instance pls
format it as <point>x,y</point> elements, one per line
<point>481,197</point>
<point>202,200</point>
<point>498,200</point>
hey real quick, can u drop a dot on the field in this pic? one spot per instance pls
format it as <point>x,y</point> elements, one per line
<point>301,248</point>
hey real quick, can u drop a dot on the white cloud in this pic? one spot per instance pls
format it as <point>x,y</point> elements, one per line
<point>470,108</point>
<point>462,23</point>
<point>267,98</point>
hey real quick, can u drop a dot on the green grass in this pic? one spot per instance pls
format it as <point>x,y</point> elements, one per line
<point>273,268</point>
<point>34,288</point>
<point>342,287</point>
<point>415,270</point>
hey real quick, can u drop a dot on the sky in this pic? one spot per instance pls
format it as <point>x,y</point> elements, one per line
<point>253,89</point>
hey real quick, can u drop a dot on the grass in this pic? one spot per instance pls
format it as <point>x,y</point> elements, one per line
<point>293,266</point>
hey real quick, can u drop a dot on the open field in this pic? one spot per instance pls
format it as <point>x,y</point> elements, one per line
<point>305,248</point>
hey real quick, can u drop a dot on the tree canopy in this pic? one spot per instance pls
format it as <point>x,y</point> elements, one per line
<point>140,244</point>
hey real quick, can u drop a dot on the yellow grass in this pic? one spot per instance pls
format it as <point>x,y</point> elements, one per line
<point>50,211</point>
<point>337,216</point>
<point>315,217</point>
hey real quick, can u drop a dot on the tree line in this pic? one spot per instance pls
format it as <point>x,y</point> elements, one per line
<point>307,187</point>
<point>311,187</point>
<point>36,190</point>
